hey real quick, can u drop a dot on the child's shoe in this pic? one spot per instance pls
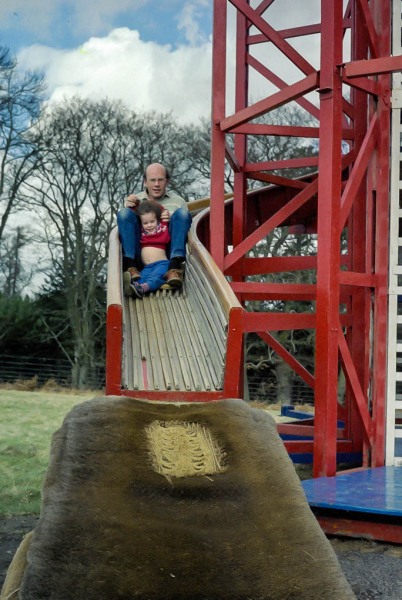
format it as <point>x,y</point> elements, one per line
<point>137,289</point>
<point>132,274</point>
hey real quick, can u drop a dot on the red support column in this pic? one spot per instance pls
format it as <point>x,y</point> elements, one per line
<point>352,186</point>
<point>240,141</point>
<point>329,194</point>
<point>360,252</point>
<point>218,136</point>
<point>382,19</point>
<point>113,350</point>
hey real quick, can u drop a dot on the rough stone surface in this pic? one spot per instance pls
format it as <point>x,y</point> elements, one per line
<point>112,527</point>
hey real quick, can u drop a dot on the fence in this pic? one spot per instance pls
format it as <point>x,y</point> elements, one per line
<point>260,386</point>
<point>22,368</point>
<point>263,389</point>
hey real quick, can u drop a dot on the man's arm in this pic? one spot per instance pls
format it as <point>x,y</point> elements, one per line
<point>132,201</point>
<point>172,202</point>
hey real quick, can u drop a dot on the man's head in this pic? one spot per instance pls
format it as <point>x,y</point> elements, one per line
<point>156,179</point>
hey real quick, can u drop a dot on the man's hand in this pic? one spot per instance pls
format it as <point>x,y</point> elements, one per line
<point>165,216</point>
<point>132,201</point>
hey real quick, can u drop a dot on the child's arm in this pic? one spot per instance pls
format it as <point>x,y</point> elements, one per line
<point>165,214</point>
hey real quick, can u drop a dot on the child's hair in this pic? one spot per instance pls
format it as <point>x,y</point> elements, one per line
<point>147,207</point>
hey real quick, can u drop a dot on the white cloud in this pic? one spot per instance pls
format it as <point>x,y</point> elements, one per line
<point>144,75</point>
<point>188,20</point>
<point>150,76</point>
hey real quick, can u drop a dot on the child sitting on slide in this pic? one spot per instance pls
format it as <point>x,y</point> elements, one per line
<point>154,239</point>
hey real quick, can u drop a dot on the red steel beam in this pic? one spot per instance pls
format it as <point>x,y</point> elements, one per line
<point>381,220</point>
<point>277,321</point>
<point>307,377</point>
<point>291,92</point>
<point>366,15</point>
<point>357,528</point>
<point>217,137</point>
<point>374,66</point>
<point>240,141</point>
<point>352,193</point>
<point>278,264</point>
<point>329,194</point>
<point>359,169</point>
<point>280,84</point>
<point>280,216</point>
<point>114,336</point>
<point>270,33</point>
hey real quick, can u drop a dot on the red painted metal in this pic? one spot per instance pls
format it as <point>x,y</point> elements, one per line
<point>275,221</point>
<point>114,337</point>
<point>234,355</point>
<point>218,140</point>
<point>307,446</point>
<point>172,395</point>
<point>385,532</point>
<point>381,233</point>
<point>296,429</point>
<point>349,192</point>
<point>329,193</point>
<point>375,66</point>
<point>291,360</point>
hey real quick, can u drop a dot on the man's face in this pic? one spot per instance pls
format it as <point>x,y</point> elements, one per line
<point>156,182</point>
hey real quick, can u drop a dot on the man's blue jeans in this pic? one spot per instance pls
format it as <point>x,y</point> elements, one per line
<point>129,232</point>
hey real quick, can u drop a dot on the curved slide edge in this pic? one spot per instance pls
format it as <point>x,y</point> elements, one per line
<point>214,315</point>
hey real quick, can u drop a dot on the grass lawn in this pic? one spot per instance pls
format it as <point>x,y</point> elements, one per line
<point>27,422</point>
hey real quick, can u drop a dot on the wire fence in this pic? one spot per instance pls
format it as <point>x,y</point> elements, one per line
<point>262,389</point>
<point>40,371</point>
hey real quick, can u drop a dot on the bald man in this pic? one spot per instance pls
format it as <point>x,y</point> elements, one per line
<point>156,181</point>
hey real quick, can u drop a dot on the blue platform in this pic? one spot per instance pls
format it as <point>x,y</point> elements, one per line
<point>366,503</point>
<point>376,491</point>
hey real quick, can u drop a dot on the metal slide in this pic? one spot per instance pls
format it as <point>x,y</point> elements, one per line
<point>173,341</point>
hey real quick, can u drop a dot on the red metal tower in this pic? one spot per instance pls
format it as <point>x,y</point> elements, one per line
<point>349,192</point>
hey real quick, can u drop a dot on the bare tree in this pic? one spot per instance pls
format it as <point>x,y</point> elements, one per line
<point>84,157</point>
<point>90,155</point>
<point>20,102</point>
<point>15,273</point>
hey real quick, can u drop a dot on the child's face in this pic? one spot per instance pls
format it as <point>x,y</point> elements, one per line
<point>149,222</point>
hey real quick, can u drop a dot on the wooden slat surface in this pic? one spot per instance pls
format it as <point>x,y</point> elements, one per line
<point>175,340</point>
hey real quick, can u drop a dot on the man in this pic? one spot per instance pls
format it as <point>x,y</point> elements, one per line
<point>156,180</point>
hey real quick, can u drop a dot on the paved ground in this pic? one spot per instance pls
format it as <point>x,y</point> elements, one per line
<point>374,570</point>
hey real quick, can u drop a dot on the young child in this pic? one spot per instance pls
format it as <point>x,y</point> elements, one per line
<point>154,239</point>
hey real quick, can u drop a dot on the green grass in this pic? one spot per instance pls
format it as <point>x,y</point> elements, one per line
<point>27,422</point>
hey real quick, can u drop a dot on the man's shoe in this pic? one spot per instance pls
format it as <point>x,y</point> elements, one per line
<point>174,278</point>
<point>134,273</point>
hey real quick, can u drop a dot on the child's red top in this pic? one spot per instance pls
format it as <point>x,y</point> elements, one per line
<point>157,239</point>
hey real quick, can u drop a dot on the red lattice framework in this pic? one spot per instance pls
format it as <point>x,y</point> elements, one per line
<point>349,190</point>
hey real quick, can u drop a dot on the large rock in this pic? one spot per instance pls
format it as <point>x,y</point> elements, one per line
<point>149,501</point>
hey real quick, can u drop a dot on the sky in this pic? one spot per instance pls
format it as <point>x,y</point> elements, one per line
<point>151,54</point>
